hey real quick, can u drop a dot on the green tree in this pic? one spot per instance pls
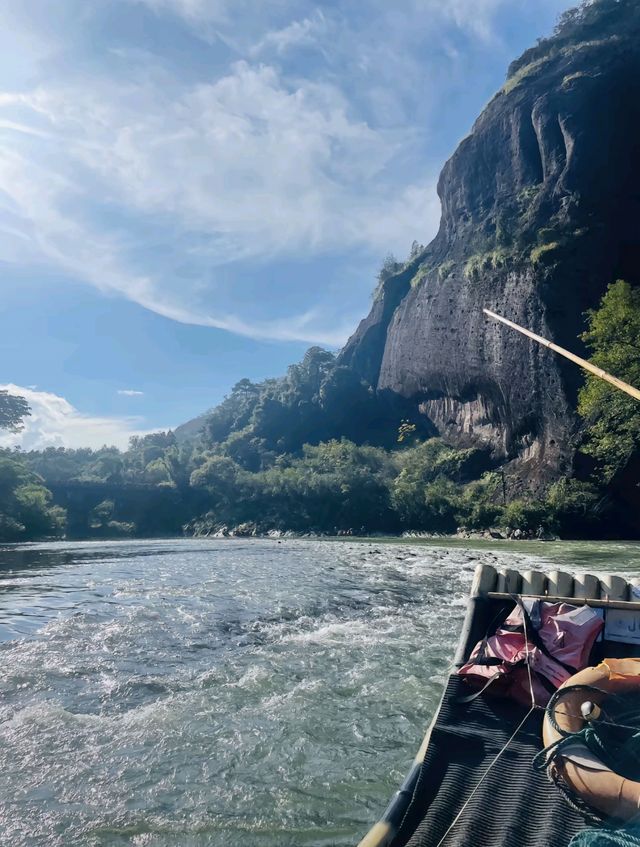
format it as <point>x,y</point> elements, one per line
<point>575,508</point>
<point>157,471</point>
<point>103,524</point>
<point>526,515</point>
<point>13,409</point>
<point>390,266</point>
<point>26,511</point>
<point>101,514</point>
<point>36,512</point>
<point>479,508</point>
<point>442,504</point>
<point>424,464</point>
<point>56,464</point>
<point>613,417</point>
<point>222,478</point>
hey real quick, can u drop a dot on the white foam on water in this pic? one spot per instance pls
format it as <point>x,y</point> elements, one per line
<point>220,692</point>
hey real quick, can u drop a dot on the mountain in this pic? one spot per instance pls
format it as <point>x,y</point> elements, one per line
<point>540,212</point>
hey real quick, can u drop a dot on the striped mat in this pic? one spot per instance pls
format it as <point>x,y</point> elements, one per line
<point>514,807</point>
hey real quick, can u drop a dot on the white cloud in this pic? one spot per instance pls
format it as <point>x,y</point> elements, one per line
<point>193,10</point>
<point>474,16</point>
<point>163,190</point>
<point>130,392</point>
<point>246,168</point>
<point>54,422</point>
<point>260,164</point>
<point>295,35</point>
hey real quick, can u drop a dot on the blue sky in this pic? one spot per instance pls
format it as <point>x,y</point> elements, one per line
<point>195,191</point>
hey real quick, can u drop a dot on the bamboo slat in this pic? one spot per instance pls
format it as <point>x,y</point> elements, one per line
<point>533,582</point>
<point>509,581</point>
<point>586,585</point>
<point>560,584</point>
<point>614,588</point>
<point>594,602</point>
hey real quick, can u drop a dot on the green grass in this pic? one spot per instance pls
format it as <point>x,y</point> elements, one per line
<point>420,276</point>
<point>523,73</point>
<point>527,196</point>
<point>445,269</point>
<point>540,255</point>
<point>491,260</point>
<point>566,82</point>
<point>423,272</point>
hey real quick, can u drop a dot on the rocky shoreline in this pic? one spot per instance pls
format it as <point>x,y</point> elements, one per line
<point>204,529</point>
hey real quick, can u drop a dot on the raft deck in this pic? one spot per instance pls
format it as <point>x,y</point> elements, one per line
<point>513,806</point>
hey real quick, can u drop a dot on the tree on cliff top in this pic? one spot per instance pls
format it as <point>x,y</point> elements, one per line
<point>588,22</point>
<point>613,418</point>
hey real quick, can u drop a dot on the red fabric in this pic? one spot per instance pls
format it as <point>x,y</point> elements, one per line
<point>568,632</point>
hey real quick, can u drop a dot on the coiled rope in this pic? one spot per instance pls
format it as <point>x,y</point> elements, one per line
<point>607,838</point>
<point>605,742</point>
<point>615,741</point>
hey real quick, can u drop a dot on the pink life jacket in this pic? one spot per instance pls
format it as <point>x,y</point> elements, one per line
<point>555,638</point>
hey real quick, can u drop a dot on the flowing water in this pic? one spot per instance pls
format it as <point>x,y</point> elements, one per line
<point>228,692</point>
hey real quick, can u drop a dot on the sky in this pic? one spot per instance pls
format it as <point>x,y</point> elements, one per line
<point>196,191</point>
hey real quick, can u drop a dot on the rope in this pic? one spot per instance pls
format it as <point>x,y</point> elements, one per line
<point>633,727</point>
<point>616,743</point>
<point>604,738</point>
<point>607,838</point>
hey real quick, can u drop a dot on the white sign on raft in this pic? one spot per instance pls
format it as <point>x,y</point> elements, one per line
<point>622,625</point>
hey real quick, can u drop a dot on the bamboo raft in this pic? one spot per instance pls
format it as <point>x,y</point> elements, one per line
<point>461,742</point>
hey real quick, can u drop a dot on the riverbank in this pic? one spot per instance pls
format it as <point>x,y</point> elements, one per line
<point>204,529</point>
<point>247,531</point>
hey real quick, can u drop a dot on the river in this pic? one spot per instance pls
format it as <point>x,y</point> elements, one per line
<point>245,693</point>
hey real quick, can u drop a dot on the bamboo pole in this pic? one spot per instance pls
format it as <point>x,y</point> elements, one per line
<point>613,380</point>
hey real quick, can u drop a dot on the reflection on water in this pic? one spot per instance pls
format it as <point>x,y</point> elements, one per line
<point>227,692</point>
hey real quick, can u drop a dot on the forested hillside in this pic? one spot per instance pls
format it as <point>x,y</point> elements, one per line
<point>267,460</point>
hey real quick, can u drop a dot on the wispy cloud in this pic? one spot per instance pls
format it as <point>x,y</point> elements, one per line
<point>298,132</point>
<point>195,11</point>
<point>130,392</point>
<point>475,16</point>
<point>303,33</point>
<point>54,422</point>
<point>247,168</point>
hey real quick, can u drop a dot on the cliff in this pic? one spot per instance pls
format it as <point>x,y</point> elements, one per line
<point>540,212</point>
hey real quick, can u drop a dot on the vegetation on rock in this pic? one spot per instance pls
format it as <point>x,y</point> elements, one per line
<point>613,418</point>
<point>332,487</point>
<point>588,23</point>
<point>319,451</point>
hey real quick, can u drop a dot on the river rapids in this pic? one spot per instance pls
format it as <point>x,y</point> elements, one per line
<point>245,693</point>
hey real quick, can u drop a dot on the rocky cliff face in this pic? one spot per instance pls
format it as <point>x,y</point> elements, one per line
<point>540,212</point>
